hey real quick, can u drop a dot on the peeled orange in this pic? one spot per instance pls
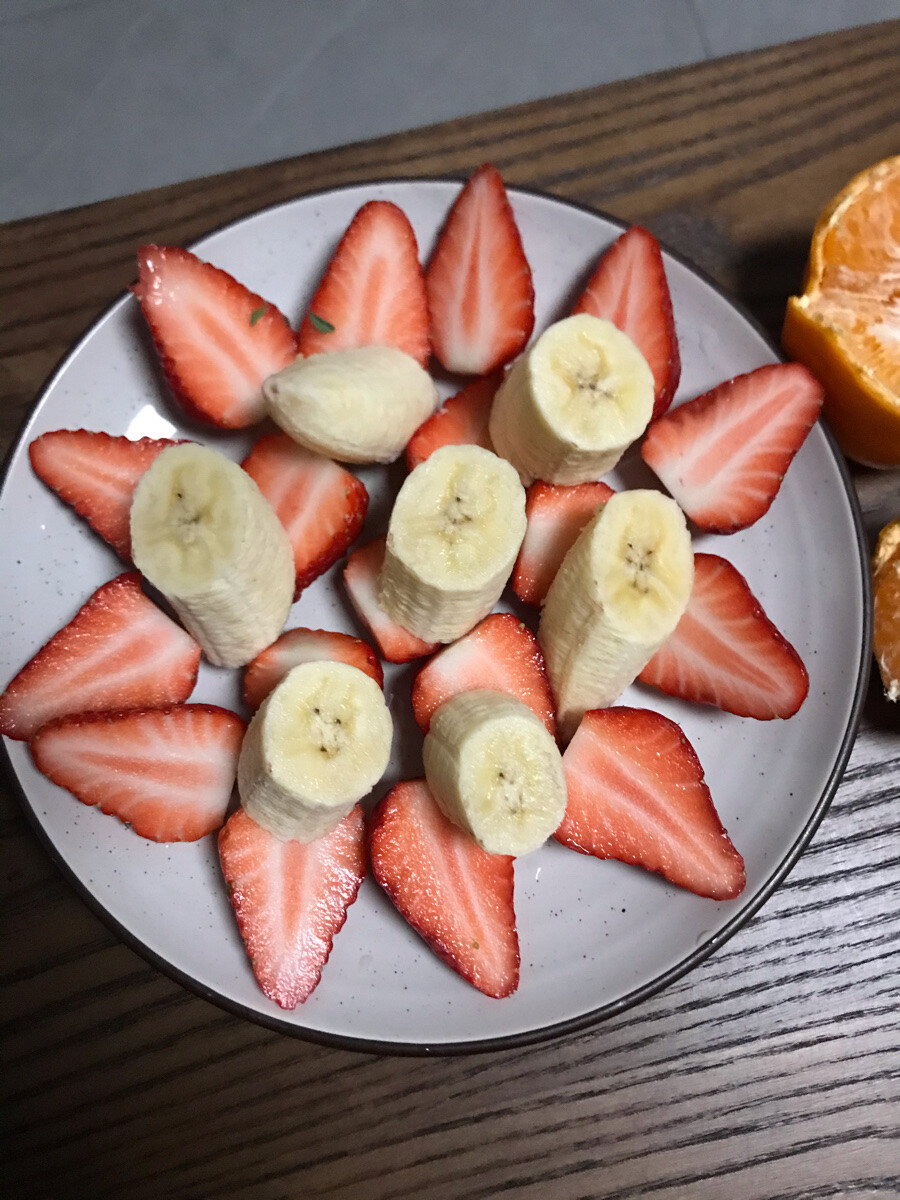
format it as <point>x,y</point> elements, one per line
<point>846,325</point>
<point>886,588</point>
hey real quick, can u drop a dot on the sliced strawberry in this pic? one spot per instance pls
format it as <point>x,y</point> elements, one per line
<point>395,643</point>
<point>321,505</point>
<point>460,421</point>
<point>629,288</point>
<point>499,653</point>
<point>480,292</point>
<point>725,650</point>
<point>217,340</point>
<point>723,456</point>
<point>96,473</point>
<point>297,646</point>
<point>291,898</point>
<point>456,895</point>
<point>118,651</point>
<point>637,794</point>
<point>167,772</point>
<point>556,515</point>
<point>372,292</point>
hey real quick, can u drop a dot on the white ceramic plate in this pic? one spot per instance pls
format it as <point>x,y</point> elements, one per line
<point>595,936</point>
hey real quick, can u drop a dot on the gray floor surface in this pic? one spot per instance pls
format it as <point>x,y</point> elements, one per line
<point>105,97</point>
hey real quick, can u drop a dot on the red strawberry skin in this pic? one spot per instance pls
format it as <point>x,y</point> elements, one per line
<point>629,288</point>
<point>456,895</point>
<point>373,291</point>
<point>96,473</point>
<point>291,898</point>
<point>499,653</point>
<point>723,456</point>
<point>167,772</point>
<point>118,651</point>
<point>361,573</point>
<point>306,645</point>
<point>217,341</point>
<point>556,515</point>
<point>479,285</point>
<point>321,506</point>
<point>725,651</point>
<point>460,421</point>
<point>636,793</point>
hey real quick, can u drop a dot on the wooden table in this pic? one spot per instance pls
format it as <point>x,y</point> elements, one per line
<point>769,1071</point>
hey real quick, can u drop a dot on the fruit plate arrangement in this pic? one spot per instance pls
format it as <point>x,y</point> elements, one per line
<point>595,937</point>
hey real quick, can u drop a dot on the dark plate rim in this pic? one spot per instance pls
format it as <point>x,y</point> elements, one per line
<point>584,1021</point>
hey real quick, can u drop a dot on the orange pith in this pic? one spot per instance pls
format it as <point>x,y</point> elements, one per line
<point>886,586</point>
<point>846,325</point>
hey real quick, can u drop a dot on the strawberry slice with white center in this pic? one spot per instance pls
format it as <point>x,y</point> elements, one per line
<point>96,473</point>
<point>500,653</point>
<point>297,646</point>
<point>291,898</point>
<point>361,574</point>
<point>556,515</point>
<point>725,651</point>
<point>118,651</point>
<point>480,291</point>
<point>456,895</point>
<point>460,421</point>
<point>636,793</point>
<point>167,772</point>
<point>629,288</point>
<point>723,456</point>
<point>321,506</point>
<point>217,341</point>
<point>373,291</point>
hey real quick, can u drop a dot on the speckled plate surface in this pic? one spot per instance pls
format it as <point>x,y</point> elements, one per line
<point>595,936</point>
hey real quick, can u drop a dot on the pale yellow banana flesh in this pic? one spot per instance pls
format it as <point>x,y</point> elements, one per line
<point>495,771</point>
<point>572,405</point>
<point>453,537</point>
<point>206,537</point>
<point>318,743</point>
<point>621,590</point>
<point>360,405</point>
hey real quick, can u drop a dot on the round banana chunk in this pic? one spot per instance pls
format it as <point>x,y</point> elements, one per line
<point>203,534</point>
<point>453,537</point>
<point>360,405</point>
<point>620,592</point>
<point>318,743</point>
<point>571,406</point>
<point>495,771</point>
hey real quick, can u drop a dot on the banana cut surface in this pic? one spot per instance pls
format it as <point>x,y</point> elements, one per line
<point>621,590</point>
<point>453,537</point>
<point>207,538</point>
<point>318,743</point>
<point>495,771</point>
<point>572,405</point>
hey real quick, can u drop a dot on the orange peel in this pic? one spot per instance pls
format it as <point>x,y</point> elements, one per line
<point>845,327</point>
<point>886,589</point>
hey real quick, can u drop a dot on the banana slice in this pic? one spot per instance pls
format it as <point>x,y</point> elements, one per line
<point>572,405</point>
<point>360,405</point>
<point>453,537</point>
<point>619,593</point>
<point>495,771</point>
<point>318,743</point>
<point>203,534</point>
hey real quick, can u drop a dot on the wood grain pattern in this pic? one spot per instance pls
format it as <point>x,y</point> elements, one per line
<point>770,1072</point>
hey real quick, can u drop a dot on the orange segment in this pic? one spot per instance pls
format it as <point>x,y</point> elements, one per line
<point>846,325</point>
<point>886,585</point>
